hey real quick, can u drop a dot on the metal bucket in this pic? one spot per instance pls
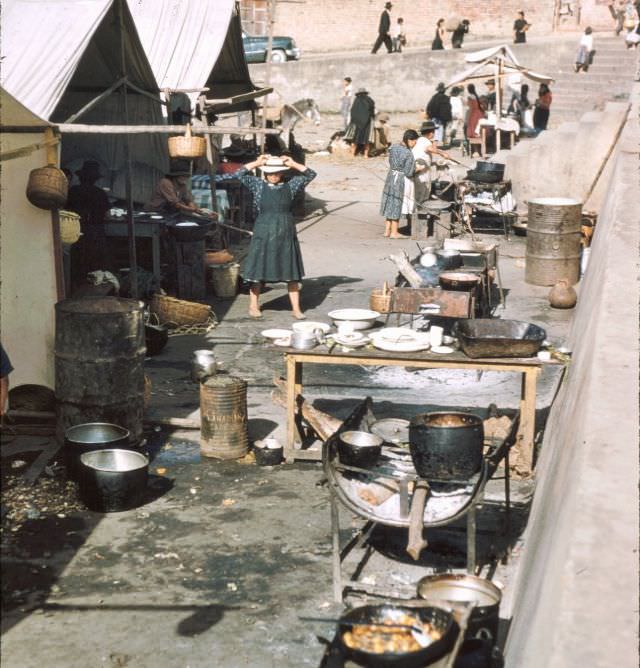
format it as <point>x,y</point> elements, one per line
<point>99,358</point>
<point>223,414</point>
<point>224,279</point>
<point>553,241</point>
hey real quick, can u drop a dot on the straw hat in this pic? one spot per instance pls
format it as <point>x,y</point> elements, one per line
<point>273,166</point>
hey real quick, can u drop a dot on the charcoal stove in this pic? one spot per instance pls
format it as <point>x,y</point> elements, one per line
<point>391,479</point>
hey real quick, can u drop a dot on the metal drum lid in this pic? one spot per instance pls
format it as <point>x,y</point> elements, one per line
<point>392,430</point>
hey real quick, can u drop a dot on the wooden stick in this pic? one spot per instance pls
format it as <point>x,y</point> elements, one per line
<point>416,542</point>
<point>77,128</point>
<point>182,423</point>
<point>405,268</point>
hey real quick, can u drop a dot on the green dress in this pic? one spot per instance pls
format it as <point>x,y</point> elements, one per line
<point>274,254</point>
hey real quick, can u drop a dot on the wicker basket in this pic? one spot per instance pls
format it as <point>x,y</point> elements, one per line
<point>177,312</point>
<point>380,302</point>
<point>187,147</point>
<point>69,227</point>
<point>47,188</point>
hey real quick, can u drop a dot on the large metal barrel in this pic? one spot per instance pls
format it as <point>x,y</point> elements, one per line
<point>223,414</point>
<point>99,363</point>
<point>553,241</point>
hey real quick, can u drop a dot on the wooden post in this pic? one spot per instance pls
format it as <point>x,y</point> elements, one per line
<point>271,18</point>
<point>52,159</point>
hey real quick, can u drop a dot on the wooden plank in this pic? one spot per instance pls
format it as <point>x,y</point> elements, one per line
<point>36,469</point>
<point>76,128</point>
<point>452,304</point>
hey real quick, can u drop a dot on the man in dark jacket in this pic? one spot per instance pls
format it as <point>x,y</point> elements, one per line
<point>383,30</point>
<point>439,111</point>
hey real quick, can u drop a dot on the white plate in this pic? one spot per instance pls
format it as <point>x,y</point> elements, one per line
<point>351,342</point>
<point>276,333</point>
<point>402,347</point>
<point>400,335</point>
<point>284,342</point>
<point>310,326</point>
<point>442,350</point>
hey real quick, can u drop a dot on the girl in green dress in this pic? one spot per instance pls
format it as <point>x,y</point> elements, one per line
<point>274,254</point>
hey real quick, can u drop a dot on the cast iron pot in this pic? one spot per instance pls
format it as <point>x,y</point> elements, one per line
<point>359,448</point>
<point>195,232</point>
<point>155,337</point>
<point>483,177</point>
<point>463,588</point>
<point>446,446</point>
<point>440,619</point>
<point>113,480</point>
<point>490,167</point>
<point>448,258</point>
<point>91,436</point>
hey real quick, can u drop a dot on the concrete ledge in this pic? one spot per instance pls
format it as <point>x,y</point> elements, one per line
<point>575,599</point>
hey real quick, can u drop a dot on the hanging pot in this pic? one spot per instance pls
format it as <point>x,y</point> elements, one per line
<point>187,147</point>
<point>446,446</point>
<point>47,188</point>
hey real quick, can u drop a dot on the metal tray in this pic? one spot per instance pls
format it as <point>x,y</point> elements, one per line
<point>486,337</point>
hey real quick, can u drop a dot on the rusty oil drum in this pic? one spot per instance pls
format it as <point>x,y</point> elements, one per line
<point>553,241</point>
<point>99,363</point>
<point>223,414</point>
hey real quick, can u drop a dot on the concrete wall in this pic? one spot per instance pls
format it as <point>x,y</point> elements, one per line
<point>27,276</point>
<point>335,25</point>
<point>564,162</point>
<point>397,82</point>
<point>575,599</point>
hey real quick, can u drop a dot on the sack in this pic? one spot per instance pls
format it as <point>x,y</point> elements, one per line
<point>629,24</point>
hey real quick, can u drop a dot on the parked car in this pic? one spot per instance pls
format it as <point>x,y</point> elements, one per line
<point>255,49</point>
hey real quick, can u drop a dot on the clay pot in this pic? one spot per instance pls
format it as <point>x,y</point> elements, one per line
<point>562,295</point>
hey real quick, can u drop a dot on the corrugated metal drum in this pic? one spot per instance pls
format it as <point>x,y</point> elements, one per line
<point>223,415</point>
<point>553,241</point>
<point>99,363</point>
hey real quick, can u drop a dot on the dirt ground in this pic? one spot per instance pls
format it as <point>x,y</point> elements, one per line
<point>222,560</point>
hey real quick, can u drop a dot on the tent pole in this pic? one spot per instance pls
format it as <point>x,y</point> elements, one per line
<point>133,263</point>
<point>271,17</point>
<point>498,103</point>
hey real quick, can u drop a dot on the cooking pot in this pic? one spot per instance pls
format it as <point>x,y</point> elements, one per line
<point>190,230</point>
<point>305,340</point>
<point>113,480</point>
<point>359,448</point>
<point>203,365</point>
<point>448,258</point>
<point>458,280</point>
<point>491,167</point>
<point>91,436</point>
<point>446,446</point>
<point>155,337</point>
<point>463,588</point>
<point>438,618</point>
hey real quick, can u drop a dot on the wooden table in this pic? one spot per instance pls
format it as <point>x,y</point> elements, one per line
<point>529,368</point>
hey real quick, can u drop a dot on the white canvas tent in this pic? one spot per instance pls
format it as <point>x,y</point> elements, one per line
<point>501,64</point>
<point>197,44</point>
<point>27,267</point>
<point>59,55</point>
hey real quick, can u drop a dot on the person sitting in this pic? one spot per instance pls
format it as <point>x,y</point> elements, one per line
<point>172,194</point>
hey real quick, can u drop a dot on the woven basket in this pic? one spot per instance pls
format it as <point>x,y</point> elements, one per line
<point>379,302</point>
<point>47,188</point>
<point>187,147</point>
<point>69,227</point>
<point>177,312</point>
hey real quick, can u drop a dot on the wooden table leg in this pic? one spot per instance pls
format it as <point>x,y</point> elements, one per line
<point>528,416</point>
<point>155,255</point>
<point>294,388</point>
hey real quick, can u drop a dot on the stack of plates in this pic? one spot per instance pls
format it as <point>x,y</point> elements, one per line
<point>281,337</point>
<point>400,340</point>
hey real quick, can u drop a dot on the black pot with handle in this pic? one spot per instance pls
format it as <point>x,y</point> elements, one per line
<point>113,480</point>
<point>446,446</point>
<point>90,436</point>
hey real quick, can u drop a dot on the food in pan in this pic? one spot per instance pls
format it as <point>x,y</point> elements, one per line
<point>391,636</point>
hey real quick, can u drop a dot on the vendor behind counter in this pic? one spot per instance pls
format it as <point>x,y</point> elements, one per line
<point>172,194</point>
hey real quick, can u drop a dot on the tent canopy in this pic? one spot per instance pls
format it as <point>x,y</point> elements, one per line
<point>59,55</point>
<point>15,114</point>
<point>196,44</point>
<point>495,63</point>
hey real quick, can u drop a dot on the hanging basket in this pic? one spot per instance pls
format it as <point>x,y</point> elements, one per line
<point>187,147</point>
<point>177,312</point>
<point>69,227</point>
<point>47,188</point>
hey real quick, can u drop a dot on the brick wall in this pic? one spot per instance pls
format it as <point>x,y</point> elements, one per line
<point>329,25</point>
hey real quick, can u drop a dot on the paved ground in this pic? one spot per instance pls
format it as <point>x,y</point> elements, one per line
<point>217,566</point>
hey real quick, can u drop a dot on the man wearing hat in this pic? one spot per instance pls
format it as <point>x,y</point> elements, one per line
<point>491,95</point>
<point>439,111</point>
<point>91,203</point>
<point>383,30</point>
<point>172,194</point>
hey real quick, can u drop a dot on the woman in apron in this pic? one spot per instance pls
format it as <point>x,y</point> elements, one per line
<point>274,254</point>
<point>397,194</point>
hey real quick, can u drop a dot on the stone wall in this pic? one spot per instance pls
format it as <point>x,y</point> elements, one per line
<point>339,25</point>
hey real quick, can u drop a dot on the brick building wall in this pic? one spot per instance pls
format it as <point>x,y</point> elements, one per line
<point>329,25</point>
